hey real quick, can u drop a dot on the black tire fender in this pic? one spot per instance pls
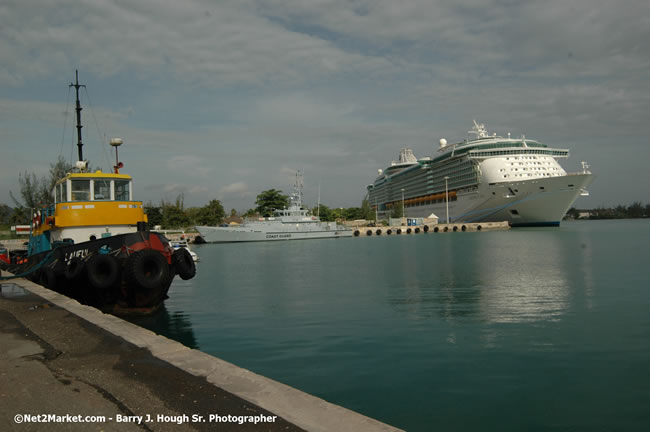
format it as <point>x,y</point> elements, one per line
<point>103,271</point>
<point>74,268</point>
<point>47,278</point>
<point>184,264</point>
<point>146,269</point>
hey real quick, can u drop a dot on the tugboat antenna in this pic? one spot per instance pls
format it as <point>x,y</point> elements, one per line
<point>76,85</point>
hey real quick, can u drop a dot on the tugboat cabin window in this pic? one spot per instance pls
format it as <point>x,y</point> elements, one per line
<point>122,190</point>
<point>80,190</point>
<point>102,190</point>
<point>61,192</point>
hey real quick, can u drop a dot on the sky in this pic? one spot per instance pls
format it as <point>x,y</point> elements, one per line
<point>225,99</point>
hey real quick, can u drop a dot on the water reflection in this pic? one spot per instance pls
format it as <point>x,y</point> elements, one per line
<point>587,250</point>
<point>10,290</point>
<point>430,279</point>
<point>174,325</point>
<point>491,321</point>
<point>495,277</point>
<point>524,280</point>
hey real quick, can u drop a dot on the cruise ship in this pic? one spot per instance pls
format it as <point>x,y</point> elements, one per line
<point>292,223</point>
<point>486,178</point>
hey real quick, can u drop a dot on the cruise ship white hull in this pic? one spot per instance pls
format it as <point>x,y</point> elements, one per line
<point>538,202</point>
<point>485,179</point>
<point>249,234</point>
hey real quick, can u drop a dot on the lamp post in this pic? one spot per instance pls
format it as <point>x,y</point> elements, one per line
<point>447,197</point>
<point>376,212</point>
<point>403,202</point>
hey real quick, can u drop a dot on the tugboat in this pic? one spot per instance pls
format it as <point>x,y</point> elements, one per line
<point>93,244</point>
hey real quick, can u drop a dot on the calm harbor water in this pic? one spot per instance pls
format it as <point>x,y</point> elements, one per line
<point>529,329</point>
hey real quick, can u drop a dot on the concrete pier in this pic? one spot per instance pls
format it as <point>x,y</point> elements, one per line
<point>68,361</point>
<point>14,244</point>
<point>430,229</point>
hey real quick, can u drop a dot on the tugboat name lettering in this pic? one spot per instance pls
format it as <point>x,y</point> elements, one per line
<point>76,254</point>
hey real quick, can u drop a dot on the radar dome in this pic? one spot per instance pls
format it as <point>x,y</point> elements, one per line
<point>443,142</point>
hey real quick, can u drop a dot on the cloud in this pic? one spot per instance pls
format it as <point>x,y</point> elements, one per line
<point>205,43</point>
<point>237,188</point>
<point>207,95</point>
<point>300,108</point>
<point>479,41</point>
<point>171,191</point>
<point>189,165</point>
<point>34,111</point>
<point>236,195</point>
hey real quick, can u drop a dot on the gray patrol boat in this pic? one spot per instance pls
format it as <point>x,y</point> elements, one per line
<point>292,223</point>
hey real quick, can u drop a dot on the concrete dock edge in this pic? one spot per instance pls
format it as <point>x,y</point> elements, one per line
<point>297,407</point>
<point>432,230</point>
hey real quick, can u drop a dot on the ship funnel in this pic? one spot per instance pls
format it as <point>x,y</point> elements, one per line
<point>406,156</point>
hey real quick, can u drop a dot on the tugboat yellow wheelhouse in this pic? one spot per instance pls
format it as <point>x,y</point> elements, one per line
<point>90,205</point>
<point>93,243</point>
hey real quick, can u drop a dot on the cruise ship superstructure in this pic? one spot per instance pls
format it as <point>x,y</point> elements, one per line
<point>487,178</point>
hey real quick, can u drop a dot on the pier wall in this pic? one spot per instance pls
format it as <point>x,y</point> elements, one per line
<point>430,229</point>
<point>14,244</point>
<point>296,407</point>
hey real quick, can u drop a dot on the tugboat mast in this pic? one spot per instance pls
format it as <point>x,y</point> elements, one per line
<point>76,85</point>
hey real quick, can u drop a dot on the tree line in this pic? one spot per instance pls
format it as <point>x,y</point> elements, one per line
<point>174,215</point>
<point>35,192</point>
<point>635,210</point>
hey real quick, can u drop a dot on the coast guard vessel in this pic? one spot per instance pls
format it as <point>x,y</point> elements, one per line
<point>488,178</point>
<point>292,223</point>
